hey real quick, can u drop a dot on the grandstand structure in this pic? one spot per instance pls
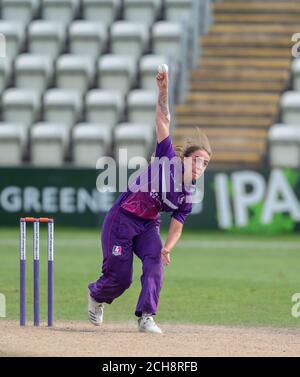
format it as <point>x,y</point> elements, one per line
<point>237,92</point>
<point>77,79</point>
<point>284,137</point>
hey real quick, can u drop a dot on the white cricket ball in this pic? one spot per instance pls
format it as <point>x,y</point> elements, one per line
<point>163,68</point>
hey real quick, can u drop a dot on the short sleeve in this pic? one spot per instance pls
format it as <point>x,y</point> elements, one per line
<point>165,148</point>
<point>182,212</point>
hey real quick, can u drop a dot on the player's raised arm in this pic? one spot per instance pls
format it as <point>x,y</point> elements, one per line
<point>162,107</point>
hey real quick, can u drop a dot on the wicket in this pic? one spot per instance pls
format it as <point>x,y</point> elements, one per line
<point>36,269</point>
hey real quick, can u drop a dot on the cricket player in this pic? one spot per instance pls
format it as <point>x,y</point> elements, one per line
<point>132,225</point>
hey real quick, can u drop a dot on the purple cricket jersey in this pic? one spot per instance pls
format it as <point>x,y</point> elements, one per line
<point>160,188</point>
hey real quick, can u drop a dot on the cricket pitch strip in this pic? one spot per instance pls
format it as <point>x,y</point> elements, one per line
<point>78,338</point>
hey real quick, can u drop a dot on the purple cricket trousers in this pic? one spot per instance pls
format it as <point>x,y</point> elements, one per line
<point>123,234</point>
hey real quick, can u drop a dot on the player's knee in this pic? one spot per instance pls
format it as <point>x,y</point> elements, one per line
<point>153,270</point>
<point>127,283</point>
<point>123,281</point>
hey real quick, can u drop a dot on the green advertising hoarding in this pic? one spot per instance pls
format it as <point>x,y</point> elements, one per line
<point>234,201</point>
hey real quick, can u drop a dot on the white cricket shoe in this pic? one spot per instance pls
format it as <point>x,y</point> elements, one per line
<point>147,324</point>
<point>95,311</point>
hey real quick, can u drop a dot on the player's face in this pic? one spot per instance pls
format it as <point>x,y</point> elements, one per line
<point>197,163</point>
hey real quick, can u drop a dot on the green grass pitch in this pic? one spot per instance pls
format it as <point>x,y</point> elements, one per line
<point>213,278</point>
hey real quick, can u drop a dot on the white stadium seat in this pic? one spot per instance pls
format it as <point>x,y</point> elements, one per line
<point>135,138</point>
<point>49,144</point>
<point>33,72</point>
<point>13,141</point>
<point>148,70</point>
<point>60,10</point>
<point>146,11</point>
<point>75,72</point>
<point>46,37</point>
<point>116,72</point>
<point>14,37</point>
<point>129,38</point>
<point>167,39</point>
<point>19,10</point>
<point>104,11</point>
<point>296,74</point>
<point>5,73</point>
<point>62,106</point>
<point>186,11</point>
<point>21,106</point>
<point>141,106</point>
<point>90,142</point>
<point>290,107</point>
<point>104,106</point>
<point>177,9</point>
<point>87,38</point>
<point>284,142</point>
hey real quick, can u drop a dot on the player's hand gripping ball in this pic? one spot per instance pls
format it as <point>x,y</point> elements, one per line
<point>162,77</point>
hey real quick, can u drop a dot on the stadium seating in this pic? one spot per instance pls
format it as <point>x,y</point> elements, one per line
<point>60,10</point>
<point>93,62</point>
<point>104,11</point>
<point>77,64</point>
<point>296,74</point>
<point>290,107</point>
<point>13,140</point>
<point>171,40</point>
<point>146,11</point>
<point>104,106</point>
<point>129,38</point>
<point>168,40</point>
<point>46,37</point>
<point>14,37</point>
<point>185,11</point>
<point>75,72</point>
<point>176,9</point>
<point>62,106</point>
<point>19,10</point>
<point>90,142</point>
<point>49,143</point>
<point>136,139</point>
<point>284,141</point>
<point>21,106</point>
<point>33,72</point>
<point>117,72</point>
<point>284,138</point>
<point>87,38</point>
<point>234,92</point>
<point>141,106</point>
<point>5,73</point>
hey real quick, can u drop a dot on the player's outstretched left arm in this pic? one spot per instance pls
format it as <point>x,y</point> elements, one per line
<point>162,108</point>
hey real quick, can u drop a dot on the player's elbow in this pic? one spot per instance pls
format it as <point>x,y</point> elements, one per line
<point>162,133</point>
<point>177,226</point>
